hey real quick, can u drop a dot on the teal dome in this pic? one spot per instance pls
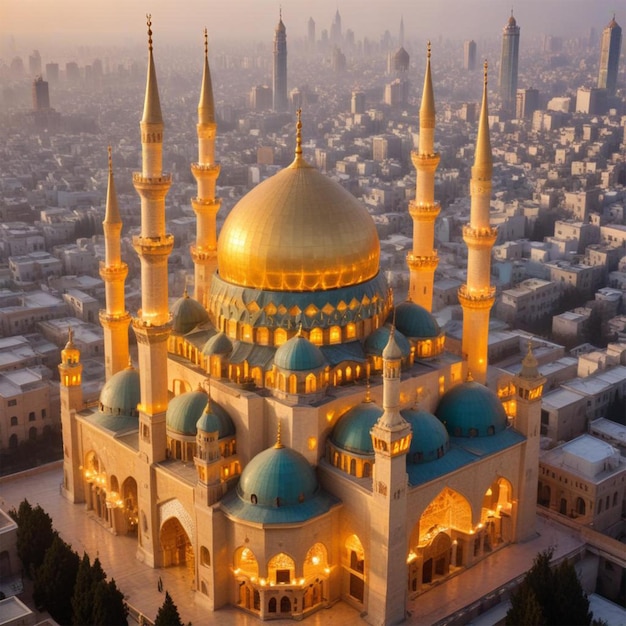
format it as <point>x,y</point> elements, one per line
<point>430,439</point>
<point>352,431</point>
<point>414,321</point>
<point>299,355</point>
<point>471,410</point>
<point>278,476</point>
<point>218,344</point>
<point>216,419</point>
<point>121,394</point>
<point>184,410</point>
<point>187,313</point>
<point>378,340</point>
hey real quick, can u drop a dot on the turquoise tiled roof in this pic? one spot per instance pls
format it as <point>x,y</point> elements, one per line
<point>471,410</point>
<point>184,411</point>
<point>114,423</point>
<point>299,355</point>
<point>378,340</point>
<point>430,438</point>
<point>216,419</point>
<point>187,313</point>
<point>352,431</point>
<point>121,394</point>
<point>218,344</point>
<point>414,321</point>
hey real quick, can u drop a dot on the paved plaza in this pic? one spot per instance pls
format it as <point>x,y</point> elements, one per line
<point>139,583</point>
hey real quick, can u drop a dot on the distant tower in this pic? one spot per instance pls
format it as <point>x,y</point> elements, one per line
<point>477,295</point>
<point>152,325</point>
<point>609,56</point>
<point>469,55</point>
<point>422,261</point>
<point>41,95</point>
<point>357,102</point>
<point>205,204</point>
<point>34,62</point>
<point>311,34</point>
<point>391,439</point>
<point>401,38</point>
<point>114,318</point>
<point>335,29</point>
<point>508,64</point>
<point>280,66</point>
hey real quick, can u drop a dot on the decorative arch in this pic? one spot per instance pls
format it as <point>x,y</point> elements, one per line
<point>244,562</point>
<point>174,508</point>
<point>316,560</point>
<point>449,510</point>
<point>354,564</point>
<point>281,569</point>
<point>176,545</point>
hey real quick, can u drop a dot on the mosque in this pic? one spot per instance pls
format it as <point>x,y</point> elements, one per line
<point>290,434</point>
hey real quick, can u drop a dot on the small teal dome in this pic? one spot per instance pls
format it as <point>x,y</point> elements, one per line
<point>430,439</point>
<point>471,410</point>
<point>218,344</point>
<point>352,431</point>
<point>216,419</point>
<point>121,394</point>
<point>278,476</point>
<point>378,340</point>
<point>187,313</point>
<point>414,321</point>
<point>299,355</point>
<point>184,410</point>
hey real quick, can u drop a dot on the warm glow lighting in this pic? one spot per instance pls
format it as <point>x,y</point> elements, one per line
<point>312,443</point>
<point>489,492</point>
<point>315,560</point>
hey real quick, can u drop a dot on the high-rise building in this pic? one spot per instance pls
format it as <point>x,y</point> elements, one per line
<point>357,102</point>
<point>526,103</point>
<point>469,55</point>
<point>279,83</point>
<point>34,62</point>
<point>609,56</point>
<point>52,72</point>
<point>41,95</point>
<point>508,64</point>
<point>311,34</point>
<point>335,30</point>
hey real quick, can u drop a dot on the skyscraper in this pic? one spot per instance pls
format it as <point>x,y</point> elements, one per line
<point>311,34</point>
<point>280,66</point>
<point>508,64</point>
<point>609,56</point>
<point>469,55</point>
<point>335,29</point>
<point>41,95</point>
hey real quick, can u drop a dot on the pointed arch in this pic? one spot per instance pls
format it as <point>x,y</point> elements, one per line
<point>245,562</point>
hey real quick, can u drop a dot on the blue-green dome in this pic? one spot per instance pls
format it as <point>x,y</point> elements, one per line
<point>414,321</point>
<point>378,340</point>
<point>218,344</point>
<point>216,419</point>
<point>430,439</point>
<point>184,410</point>
<point>121,394</point>
<point>187,313</point>
<point>299,355</point>
<point>471,410</point>
<point>352,431</point>
<point>278,476</point>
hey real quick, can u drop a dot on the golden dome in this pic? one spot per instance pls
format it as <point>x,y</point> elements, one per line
<point>298,231</point>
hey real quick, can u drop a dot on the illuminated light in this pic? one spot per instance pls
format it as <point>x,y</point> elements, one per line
<point>302,581</point>
<point>489,492</point>
<point>480,525</point>
<point>327,570</point>
<point>315,560</point>
<point>411,557</point>
<point>263,582</point>
<point>312,445</point>
<point>329,416</point>
<point>237,571</point>
<point>253,578</point>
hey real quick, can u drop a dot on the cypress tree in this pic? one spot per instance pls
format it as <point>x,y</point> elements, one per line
<point>168,613</point>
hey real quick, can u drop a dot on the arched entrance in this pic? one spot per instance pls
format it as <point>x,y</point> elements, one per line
<point>496,514</point>
<point>176,548</point>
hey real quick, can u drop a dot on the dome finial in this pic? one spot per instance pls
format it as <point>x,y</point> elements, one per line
<point>110,159</point>
<point>485,67</point>
<point>428,50</point>
<point>130,363</point>
<point>299,333</point>
<point>279,443</point>
<point>469,378</point>
<point>70,337</point>
<point>206,43</point>
<point>299,133</point>
<point>149,21</point>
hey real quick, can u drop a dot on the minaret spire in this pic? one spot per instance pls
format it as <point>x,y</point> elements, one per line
<point>205,171</point>
<point>114,318</point>
<point>423,260</point>
<point>477,295</point>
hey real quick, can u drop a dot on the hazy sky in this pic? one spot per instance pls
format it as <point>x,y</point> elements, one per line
<point>100,22</point>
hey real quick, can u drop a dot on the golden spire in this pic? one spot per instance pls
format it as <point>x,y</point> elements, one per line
<point>279,443</point>
<point>427,108</point>
<point>483,163</point>
<point>299,160</point>
<point>70,338</point>
<point>112,211</point>
<point>529,364</point>
<point>152,104</point>
<point>206,107</point>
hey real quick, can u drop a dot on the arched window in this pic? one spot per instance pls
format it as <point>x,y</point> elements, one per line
<point>271,607</point>
<point>580,506</point>
<point>13,442</point>
<point>31,416</point>
<point>280,336</point>
<point>14,421</point>
<point>316,336</point>
<point>205,556</point>
<point>32,433</point>
<point>285,605</point>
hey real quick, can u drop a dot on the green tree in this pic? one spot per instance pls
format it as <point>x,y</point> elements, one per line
<point>570,602</point>
<point>86,580</point>
<point>34,535</point>
<point>54,581</point>
<point>109,608</point>
<point>525,609</point>
<point>168,613</point>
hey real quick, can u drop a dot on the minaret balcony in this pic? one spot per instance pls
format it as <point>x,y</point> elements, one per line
<point>113,273</point>
<point>208,169</point>
<point>424,211</point>
<point>477,298</point>
<point>417,263</point>
<point>425,162</point>
<point>199,254</point>
<point>112,319</point>
<point>206,206</point>
<point>153,246</point>
<point>480,237</point>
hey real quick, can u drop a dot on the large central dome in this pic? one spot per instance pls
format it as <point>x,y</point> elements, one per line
<point>298,231</point>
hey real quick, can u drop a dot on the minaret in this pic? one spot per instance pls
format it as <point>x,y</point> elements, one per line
<point>205,204</point>
<point>477,295</point>
<point>280,66</point>
<point>152,325</point>
<point>114,318</point>
<point>424,209</point>
<point>71,392</point>
<point>391,439</point>
<point>529,387</point>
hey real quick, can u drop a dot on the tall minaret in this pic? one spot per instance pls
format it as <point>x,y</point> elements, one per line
<point>152,325</point>
<point>114,318</point>
<point>280,66</point>
<point>477,295</point>
<point>391,439</point>
<point>205,204</point>
<point>424,210</point>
